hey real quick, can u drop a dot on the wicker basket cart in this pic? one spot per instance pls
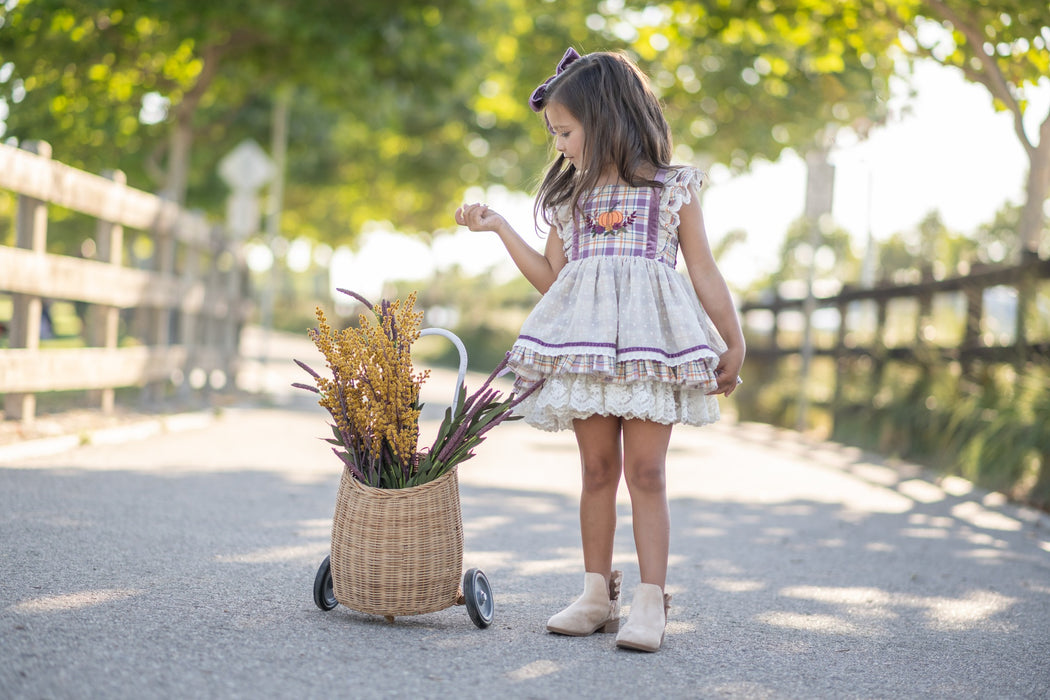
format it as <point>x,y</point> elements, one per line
<point>398,552</point>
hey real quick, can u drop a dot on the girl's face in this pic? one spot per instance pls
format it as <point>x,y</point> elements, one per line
<point>568,134</point>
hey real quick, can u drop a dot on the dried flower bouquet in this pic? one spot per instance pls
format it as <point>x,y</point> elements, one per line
<point>372,395</point>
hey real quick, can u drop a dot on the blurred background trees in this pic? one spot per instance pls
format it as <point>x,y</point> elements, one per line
<point>1003,46</point>
<point>399,109</point>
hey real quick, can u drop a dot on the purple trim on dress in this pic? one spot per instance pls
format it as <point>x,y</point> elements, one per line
<point>565,345</point>
<point>620,351</point>
<point>652,231</point>
<point>624,351</point>
<point>575,239</point>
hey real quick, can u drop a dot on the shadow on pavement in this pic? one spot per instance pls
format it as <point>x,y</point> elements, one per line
<point>126,583</point>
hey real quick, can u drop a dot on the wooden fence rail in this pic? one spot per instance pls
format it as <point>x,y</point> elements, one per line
<point>775,325</point>
<point>191,303</point>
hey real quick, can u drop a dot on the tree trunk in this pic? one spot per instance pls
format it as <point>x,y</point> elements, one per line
<point>1037,189</point>
<point>1030,235</point>
<point>181,141</point>
<point>179,146</point>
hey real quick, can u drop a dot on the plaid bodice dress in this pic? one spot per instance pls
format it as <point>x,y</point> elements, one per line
<point>620,332</point>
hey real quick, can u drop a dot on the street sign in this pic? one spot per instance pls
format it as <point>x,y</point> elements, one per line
<point>246,167</point>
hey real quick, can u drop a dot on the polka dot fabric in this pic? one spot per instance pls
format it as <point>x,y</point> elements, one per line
<point>620,332</point>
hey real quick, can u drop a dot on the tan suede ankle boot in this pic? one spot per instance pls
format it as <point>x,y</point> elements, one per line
<point>644,630</point>
<point>598,609</point>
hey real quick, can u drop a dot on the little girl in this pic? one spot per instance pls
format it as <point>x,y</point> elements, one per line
<point>620,339</point>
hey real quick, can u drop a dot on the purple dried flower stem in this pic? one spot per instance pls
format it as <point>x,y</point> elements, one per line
<point>385,314</point>
<point>457,435</point>
<point>308,369</point>
<point>481,398</point>
<point>346,459</point>
<point>453,440</point>
<point>470,410</point>
<point>499,368</point>
<point>484,385</point>
<point>349,441</point>
<point>357,296</point>
<point>314,389</point>
<point>527,393</point>
<point>510,407</point>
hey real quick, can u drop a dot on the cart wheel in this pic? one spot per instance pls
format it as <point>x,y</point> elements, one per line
<point>324,596</point>
<point>477,594</point>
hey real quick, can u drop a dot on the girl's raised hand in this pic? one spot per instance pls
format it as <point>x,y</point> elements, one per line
<point>478,217</point>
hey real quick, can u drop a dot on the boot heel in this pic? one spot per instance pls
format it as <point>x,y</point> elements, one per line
<point>615,582</point>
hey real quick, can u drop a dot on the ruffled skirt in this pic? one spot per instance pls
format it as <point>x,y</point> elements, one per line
<point>619,336</point>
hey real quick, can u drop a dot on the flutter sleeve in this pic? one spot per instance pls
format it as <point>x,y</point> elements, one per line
<point>679,187</point>
<point>561,217</point>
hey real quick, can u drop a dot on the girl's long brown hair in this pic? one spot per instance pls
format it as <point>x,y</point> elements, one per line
<point>623,126</point>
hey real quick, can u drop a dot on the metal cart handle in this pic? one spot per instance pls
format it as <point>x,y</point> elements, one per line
<point>462,358</point>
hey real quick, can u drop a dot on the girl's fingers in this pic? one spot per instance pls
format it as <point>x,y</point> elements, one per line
<point>725,382</point>
<point>471,214</point>
<point>477,217</point>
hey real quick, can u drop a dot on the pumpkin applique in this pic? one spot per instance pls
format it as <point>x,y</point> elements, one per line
<point>610,222</point>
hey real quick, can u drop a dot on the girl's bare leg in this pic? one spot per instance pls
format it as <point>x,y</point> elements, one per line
<point>645,456</point>
<point>598,438</point>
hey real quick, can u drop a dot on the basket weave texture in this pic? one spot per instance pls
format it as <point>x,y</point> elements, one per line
<point>397,551</point>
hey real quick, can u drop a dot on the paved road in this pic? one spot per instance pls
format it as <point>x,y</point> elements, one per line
<point>181,566</point>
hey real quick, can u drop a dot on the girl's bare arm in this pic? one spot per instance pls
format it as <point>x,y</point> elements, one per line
<point>713,292</point>
<point>540,269</point>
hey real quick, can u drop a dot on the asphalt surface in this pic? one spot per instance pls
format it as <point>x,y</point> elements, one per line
<point>179,563</point>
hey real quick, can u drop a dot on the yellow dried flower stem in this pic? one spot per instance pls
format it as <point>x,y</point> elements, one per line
<point>373,394</point>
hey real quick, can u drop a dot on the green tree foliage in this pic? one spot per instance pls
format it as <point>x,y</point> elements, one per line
<point>741,80</point>
<point>398,107</point>
<point>930,246</point>
<point>833,258</point>
<point>381,89</point>
<point>749,79</point>
<point>996,241</point>
<point>1003,45</point>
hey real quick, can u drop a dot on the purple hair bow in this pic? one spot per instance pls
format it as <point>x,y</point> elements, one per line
<point>539,95</point>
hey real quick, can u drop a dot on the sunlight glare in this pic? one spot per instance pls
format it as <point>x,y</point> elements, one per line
<point>73,601</point>
<point>534,669</point>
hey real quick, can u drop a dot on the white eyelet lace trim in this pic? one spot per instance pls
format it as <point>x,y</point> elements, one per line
<point>564,398</point>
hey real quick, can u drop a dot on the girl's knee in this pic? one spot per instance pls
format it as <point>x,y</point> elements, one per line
<point>646,477</point>
<point>600,473</point>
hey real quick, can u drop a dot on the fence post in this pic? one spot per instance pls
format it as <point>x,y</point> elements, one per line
<point>972,332</point>
<point>1026,293</point>
<point>211,331</point>
<point>879,351</point>
<point>30,233</point>
<point>924,318</point>
<point>159,334</point>
<point>842,363</point>
<point>231,329</point>
<point>189,326</point>
<point>104,321</point>
<point>820,186</point>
